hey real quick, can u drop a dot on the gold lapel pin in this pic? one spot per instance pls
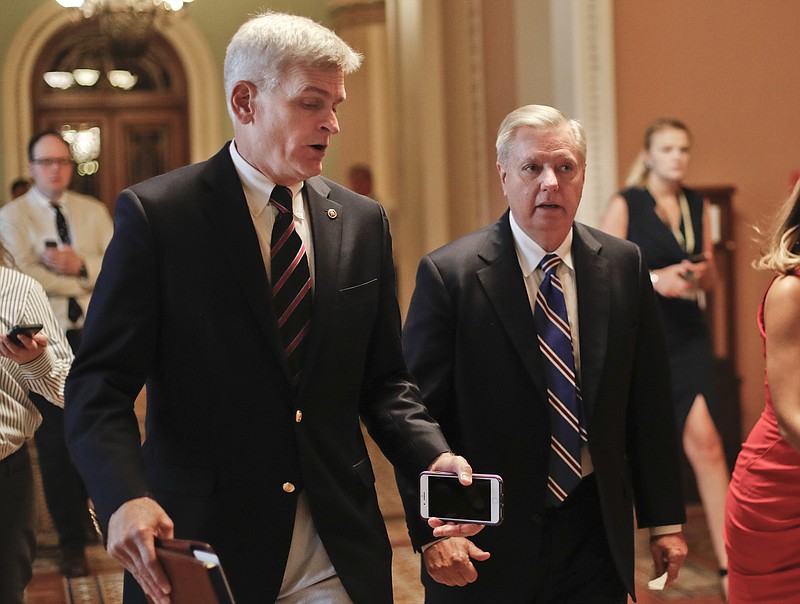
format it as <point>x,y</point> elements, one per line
<point>332,214</point>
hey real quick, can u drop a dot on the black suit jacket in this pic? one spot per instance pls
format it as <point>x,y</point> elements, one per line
<point>183,303</point>
<point>470,341</point>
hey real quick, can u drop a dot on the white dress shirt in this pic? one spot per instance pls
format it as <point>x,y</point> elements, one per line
<point>308,564</point>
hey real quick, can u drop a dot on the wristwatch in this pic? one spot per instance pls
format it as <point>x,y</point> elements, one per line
<point>653,277</point>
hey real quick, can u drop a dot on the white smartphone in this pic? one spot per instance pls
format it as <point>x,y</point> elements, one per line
<point>442,496</point>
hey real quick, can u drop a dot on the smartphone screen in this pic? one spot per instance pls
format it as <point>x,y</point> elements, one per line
<point>443,496</point>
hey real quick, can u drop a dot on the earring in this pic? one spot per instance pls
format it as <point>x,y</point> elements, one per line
<point>648,165</point>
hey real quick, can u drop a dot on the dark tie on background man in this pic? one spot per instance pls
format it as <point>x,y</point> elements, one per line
<point>567,428</point>
<point>291,281</point>
<point>74,310</point>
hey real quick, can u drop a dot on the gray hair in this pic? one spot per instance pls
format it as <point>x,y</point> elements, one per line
<point>540,117</point>
<point>269,43</point>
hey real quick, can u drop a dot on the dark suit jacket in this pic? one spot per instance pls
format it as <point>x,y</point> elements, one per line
<point>470,342</point>
<point>183,302</point>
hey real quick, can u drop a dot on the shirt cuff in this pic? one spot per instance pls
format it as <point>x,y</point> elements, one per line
<point>657,531</point>
<point>427,545</point>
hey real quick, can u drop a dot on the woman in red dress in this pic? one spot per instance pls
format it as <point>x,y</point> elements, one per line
<point>762,511</point>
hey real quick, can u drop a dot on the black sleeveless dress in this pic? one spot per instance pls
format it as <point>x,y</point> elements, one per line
<point>685,328</point>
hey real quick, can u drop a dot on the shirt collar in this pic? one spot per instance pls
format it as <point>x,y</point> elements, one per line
<point>530,253</point>
<point>43,200</point>
<point>257,186</point>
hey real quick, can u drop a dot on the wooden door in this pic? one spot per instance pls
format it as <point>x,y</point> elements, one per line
<point>142,130</point>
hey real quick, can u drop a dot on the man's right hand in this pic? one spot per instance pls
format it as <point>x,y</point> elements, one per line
<point>449,561</point>
<point>132,530</point>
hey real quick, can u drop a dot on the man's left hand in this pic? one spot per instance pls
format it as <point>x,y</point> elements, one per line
<point>669,551</point>
<point>455,464</point>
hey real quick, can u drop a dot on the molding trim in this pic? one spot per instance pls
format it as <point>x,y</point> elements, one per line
<point>480,146</point>
<point>584,88</point>
<point>349,13</point>
<point>203,80</point>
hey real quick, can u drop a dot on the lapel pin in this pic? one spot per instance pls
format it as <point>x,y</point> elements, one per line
<point>332,214</point>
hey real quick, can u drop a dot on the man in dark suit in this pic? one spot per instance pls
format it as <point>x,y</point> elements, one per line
<point>472,341</point>
<point>249,445</point>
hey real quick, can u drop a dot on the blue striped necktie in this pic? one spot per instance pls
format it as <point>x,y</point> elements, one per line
<point>567,428</point>
<point>291,281</point>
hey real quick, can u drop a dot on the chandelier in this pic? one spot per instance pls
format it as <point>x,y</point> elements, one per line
<point>126,24</point>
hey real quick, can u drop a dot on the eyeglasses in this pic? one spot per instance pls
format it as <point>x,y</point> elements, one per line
<point>48,162</point>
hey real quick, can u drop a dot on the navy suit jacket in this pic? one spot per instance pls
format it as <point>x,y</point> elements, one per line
<point>471,343</point>
<point>183,304</point>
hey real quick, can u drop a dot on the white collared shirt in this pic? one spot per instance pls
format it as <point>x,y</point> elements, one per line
<point>308,563</point>
<point>257,189</point>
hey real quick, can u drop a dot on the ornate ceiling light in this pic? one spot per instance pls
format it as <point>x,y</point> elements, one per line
<point>127,24</point>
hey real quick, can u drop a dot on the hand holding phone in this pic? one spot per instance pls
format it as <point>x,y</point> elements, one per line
<point>443,496</point>
<point>28,329</point>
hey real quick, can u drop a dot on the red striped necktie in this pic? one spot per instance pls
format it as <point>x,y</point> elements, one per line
<point>291,281</point>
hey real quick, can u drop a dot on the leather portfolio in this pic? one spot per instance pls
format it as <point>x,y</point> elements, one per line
<point>194,571</point>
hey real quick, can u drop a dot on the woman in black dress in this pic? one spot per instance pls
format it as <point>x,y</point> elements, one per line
<point>670,223</point>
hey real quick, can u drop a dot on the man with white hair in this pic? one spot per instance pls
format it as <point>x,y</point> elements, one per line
<point>256,300</point>
<point>537,344</point>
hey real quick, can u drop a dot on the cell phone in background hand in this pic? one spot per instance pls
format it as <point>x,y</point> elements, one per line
<point>50,243</point>
<point>29,329</point>
<point>696,258</point>
<point>442,496</point>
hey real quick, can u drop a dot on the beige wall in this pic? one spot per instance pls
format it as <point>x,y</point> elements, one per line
<point>720,65</point>
<point>727,68</point>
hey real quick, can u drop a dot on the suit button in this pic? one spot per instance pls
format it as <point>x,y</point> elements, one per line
<point>288,487</point>
<point>298,416</point>
<point>537,518</point>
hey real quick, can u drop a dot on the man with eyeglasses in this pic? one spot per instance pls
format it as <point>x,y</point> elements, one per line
<point>58,237</point>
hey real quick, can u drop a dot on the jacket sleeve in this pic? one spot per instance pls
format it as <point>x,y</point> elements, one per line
<point>428,345</point>
<point>118,344</point>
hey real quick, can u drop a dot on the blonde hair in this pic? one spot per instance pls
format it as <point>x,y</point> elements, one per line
<point>781,247</point>
<point>637,175</point>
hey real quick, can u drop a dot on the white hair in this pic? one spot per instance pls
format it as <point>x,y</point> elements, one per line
<point>266,45</point>
<point>540,117</point>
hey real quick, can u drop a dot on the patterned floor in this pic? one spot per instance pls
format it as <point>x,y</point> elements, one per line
<point>698,582</point>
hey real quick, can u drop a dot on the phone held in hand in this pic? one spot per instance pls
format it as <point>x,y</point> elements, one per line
<point>696,258</point>
<point>442,496</point>
<point>29,329</point>
<point>51,243</point>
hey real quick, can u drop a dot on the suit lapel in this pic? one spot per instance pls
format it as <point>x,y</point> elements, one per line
<point>593,284</point>
<point>226,208</point>
<point>326,218</point>
<point>504,287</point>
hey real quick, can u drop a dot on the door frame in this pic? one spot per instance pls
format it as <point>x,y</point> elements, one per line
<point>202,74</point>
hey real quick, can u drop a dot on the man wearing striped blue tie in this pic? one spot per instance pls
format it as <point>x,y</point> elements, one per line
<point>537,346</point>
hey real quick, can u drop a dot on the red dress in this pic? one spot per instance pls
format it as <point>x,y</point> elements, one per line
<point>762,514</point>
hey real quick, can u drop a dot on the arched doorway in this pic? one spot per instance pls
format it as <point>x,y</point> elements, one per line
<point>123,108</point>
